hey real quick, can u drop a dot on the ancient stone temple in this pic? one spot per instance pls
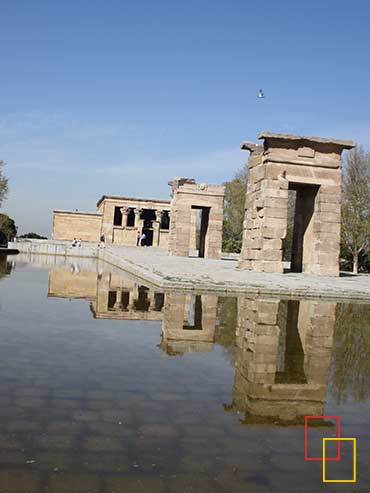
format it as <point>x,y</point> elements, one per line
<point>196,218</point>
<point>310,167</point>
<point>119,219</point>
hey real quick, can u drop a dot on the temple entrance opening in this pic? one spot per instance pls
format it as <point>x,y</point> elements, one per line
<point>299,241</point>
<point>290,360</point>
<point>148,216</point>
<point>201,228</point>
<point>196,218</point>
<point>142,302</point>
<point>194,321</point>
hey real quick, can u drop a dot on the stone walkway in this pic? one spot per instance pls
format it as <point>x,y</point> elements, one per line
<point>223,276</point>
<point>155,267</point>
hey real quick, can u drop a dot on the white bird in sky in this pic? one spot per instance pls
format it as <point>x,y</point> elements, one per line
<point>261,94</point>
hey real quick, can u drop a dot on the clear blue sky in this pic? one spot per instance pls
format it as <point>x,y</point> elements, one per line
<point>116,97</point>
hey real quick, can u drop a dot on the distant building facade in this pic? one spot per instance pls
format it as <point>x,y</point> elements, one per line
<point>119,219</point>
<point>189,224</point>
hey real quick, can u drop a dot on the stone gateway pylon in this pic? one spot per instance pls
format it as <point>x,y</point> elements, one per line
<point>196,218</point>
<point>312,167</point>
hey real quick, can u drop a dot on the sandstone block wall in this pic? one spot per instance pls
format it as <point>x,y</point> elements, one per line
<point>175,337</point>
<point>188,195</point>
<point>70,225</point>
<point>64,283</point>
<point>264,338</point>
<point>312,167</point>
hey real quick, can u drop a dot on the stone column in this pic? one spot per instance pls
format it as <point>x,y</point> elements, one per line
<point>102,293</point>
<point>326,230</point>
<point>257,342</point>
<point>107,222</point>
<point>214,235</point>
<point>118,303</point>
<point>156,227</point>
<point>138,221</point>
<point>180,230</point>
<point>151,300</point>
<point>125,212</point>
<point>266,214</point>
<point>130,305</point>
<point>193,229</point>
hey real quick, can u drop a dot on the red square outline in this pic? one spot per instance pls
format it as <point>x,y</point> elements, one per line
<point>306,418</point>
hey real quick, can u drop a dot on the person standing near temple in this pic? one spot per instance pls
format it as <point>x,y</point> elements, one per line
<point>138,237</point>
<point>143,239</point>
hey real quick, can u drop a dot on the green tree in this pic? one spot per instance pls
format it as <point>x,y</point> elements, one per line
<point>351,363</point>
<point>8,229</point>
<point>356,205</point>
<point>5,266</point>
<point>225,334</point>
<point>3,183</point>
<point>235,191</point>
<point>33,236</point>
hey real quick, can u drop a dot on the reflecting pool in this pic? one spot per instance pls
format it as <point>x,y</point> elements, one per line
<point>110,385</point>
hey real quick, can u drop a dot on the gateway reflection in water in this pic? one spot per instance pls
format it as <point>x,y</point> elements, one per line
<point>282,358</point>
<point>282,347</point>
<point>166,391</point>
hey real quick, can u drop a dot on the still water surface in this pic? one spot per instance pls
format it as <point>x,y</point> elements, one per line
<point>108,385</point>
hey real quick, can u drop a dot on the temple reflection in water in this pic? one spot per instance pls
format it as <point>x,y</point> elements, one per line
<point>282,348</point>
<point>282,359</point>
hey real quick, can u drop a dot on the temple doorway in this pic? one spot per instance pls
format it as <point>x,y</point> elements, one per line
<point>290,361</point>
<point>148,216</point>
<point>300,225</point>
<point>201,228</point>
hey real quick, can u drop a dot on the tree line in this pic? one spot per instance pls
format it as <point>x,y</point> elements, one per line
<point>355,212</point>
<point>7,226</point>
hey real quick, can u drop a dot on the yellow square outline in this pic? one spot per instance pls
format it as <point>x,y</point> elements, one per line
<point>354,480</point>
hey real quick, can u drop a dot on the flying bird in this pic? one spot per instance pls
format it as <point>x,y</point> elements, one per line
<point>261,94</point>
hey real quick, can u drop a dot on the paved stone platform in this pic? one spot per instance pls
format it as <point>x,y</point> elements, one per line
<point>209,275</point>
<point>154,266</point>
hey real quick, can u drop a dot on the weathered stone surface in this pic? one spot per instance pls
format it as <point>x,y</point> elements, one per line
<point>68,225</point>
<point>312,167</point>
<point>190,275</point>
<point>344,144</point>
<point>187,195</point>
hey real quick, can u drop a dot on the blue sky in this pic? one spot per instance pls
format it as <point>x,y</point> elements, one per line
<point>116,97</point>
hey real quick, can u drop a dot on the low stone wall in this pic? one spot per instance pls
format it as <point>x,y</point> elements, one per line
<point>156,268</point>
<point>53,247</point>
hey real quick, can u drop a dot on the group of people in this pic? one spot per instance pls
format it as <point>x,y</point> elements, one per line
<point>141,239</point>
<point>76,242</point>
